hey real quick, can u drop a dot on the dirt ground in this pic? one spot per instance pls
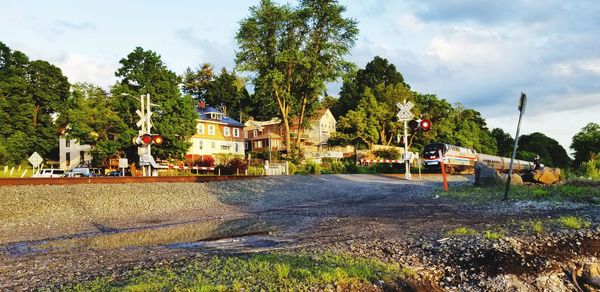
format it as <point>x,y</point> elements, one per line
<point>368,215</point>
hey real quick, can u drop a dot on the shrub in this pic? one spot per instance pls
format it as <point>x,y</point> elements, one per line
<point>233,166</point>
<point>573,222</point>
<point>388,153</point>
<point>292,168</point>
<point>537,226</point>
<point>462,231</point>
<point>207,161</point>
<point>255,170</point>
<point>337,167</point>
<point>312,167</point>
<point>350,166</point>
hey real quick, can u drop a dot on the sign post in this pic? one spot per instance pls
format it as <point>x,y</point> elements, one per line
<point>522,103</point>
<point>145,124</point>
<point>35,159</point>
<point>404,115</point>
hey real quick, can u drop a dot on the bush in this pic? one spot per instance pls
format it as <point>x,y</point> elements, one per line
<point>388,153</point>
<point>312,167</point>
<point>350,166</point>
<point>207,161</point>
<point>337,167</point>
<point>255,170</point>
<point>292,168</point>
<point>233,166</point>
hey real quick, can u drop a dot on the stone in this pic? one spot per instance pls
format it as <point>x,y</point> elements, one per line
<point>486,176</point>
<point>547,175</point>
<point>591,274</point>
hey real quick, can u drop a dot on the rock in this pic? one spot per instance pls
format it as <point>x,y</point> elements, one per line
<point>485,175</point>
<point>547,175</point>
<point>591,274</point>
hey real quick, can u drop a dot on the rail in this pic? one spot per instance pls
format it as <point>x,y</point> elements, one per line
<point>120,180</point>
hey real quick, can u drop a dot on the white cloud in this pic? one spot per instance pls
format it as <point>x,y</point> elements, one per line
<point>570,68</point>
<point>82,68</point>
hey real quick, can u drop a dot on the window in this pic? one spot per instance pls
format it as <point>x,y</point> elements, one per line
<point>68,143</point>
<point>259,144</point>
<point>200,144</point>
<point>200,128</point>
<point>247,145</point>
<point>237,147</point>
<point>225,147</point>
<point>245,134</point>
<point>255,133</point>
<point>213,145</point>
<point>211,130</point>
<point>226,131</point>
<point>236,132</point>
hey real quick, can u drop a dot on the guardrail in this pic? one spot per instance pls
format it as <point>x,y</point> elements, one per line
<point>120,180</point>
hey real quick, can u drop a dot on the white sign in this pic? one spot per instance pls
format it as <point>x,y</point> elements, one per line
<point>35,159</point>
<point>404,114</point>
<point>123,163</point>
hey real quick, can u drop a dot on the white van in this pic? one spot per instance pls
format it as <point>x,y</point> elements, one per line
<point>49,172</point>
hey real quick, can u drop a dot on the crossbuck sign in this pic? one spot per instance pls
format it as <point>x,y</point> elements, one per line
<point>404,114</point>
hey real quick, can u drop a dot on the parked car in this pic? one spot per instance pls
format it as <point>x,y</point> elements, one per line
<point>119,173</point>
<point>85,172</point>
<point>49,172</point>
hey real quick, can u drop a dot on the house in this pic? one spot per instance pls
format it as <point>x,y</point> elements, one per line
<point>320,126</point>
<point>70,153</point>
<point>216,133</point>
<point>258,135</point>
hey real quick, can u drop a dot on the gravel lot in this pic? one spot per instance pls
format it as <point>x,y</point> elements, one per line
<point>50,235</point>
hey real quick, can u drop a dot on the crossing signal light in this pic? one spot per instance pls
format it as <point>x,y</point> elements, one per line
<point>425,125</point>
<point>157,140</point>
<point>148,139</point>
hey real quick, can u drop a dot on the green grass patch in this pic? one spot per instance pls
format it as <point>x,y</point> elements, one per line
<point>260,272</point>
<point>553,193</point>
<point>494,234</point>
<point>573,222</point>
<point>462,231</point>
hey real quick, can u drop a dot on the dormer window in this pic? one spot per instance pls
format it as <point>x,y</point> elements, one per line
<point>216,116</point>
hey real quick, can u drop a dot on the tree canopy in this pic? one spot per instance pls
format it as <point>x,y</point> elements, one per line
<point>586,143</point>
<point>550,152</point>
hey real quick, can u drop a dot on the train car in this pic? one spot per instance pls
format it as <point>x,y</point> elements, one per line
<point>460,159</point>
<point>455,158</point>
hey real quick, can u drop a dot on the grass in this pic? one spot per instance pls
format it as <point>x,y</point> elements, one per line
<point>259,272</point>
<point>16,172</point>
<point>462,231</point>
<point>573,192</point>
<point>537,227</point>
<point>573,222</point>
<point>494,235</point>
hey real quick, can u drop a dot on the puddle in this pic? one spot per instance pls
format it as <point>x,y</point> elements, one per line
<point>235,244</point>
<point>209,234</point>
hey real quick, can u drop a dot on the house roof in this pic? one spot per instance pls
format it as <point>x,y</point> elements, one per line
<point>204,114</point>
<point>266,136</point>
<point>312,118</point>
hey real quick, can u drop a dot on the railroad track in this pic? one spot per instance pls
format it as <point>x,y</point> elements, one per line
<point>120,180</point>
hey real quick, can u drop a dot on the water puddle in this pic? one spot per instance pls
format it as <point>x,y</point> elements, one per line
<point>235,235</point>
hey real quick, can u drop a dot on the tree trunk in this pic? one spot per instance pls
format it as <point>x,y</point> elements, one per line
<point>36,111</point>
<point>284,115</point>
<point>300,120</point>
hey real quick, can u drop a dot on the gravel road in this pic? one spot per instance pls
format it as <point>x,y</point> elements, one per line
<point>87,231</point>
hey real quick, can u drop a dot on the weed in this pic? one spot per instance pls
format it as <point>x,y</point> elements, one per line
<point>462,231</point>
<point>492,235</point>
<point>260,272</point>
<point>537,227</point>
<point>573,222</point>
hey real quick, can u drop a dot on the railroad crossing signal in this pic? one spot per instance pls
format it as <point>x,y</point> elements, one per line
<point>404,114</point>
<point>423,125</point>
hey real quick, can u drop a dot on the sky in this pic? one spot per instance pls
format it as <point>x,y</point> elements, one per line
<point>481,54</point>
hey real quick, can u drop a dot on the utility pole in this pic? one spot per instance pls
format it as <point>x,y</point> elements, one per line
<point>522,103</point>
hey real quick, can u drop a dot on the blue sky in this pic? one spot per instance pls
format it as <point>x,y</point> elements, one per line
<point>479,53</point>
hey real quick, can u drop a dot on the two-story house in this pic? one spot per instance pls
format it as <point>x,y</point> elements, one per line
<point>216,133</point>
<point>258,135</point>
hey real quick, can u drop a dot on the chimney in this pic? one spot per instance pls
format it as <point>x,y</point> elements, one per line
<point>202,104</point>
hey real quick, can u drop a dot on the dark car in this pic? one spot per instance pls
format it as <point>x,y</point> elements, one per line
<point>119,173</point>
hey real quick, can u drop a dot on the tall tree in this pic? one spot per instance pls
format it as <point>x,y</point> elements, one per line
<point>228,91</point>
<point>269,44</point>
<point>196,82</point>
<point>294,52</point>
<point>143,72</point>
<point>586,143</point>
<point>504,142</point>
<point>328,37</point>
<point>377,71</point>
<point>550,152</point>
<point>90,119</point>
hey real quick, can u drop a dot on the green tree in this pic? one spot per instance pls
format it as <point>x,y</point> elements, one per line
<point>90,119</point>
<point>358,127</point>
<point>504,142</point>
<point>294,52</point>
<point>228,91</point>
<point>377,71</point>
<point>550,152</point>
<point>143,72</point>
<point>196,83</point>
<point>586,143</point>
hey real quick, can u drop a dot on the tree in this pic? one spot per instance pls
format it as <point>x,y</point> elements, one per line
<point>357,127</point>
<point>228,91</point>
<point>90,119</point>
<point>550,152</point>
<point>143,72</point>
<point>294,52</point>
<point>586,143</point>
<point>504,142</point>
<point>378,71</point>
<point>196,83</point>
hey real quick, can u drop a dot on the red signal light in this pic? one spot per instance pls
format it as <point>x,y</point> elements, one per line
<point>158,140</point>
<point>425,125</point>
<point>146,139</point>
